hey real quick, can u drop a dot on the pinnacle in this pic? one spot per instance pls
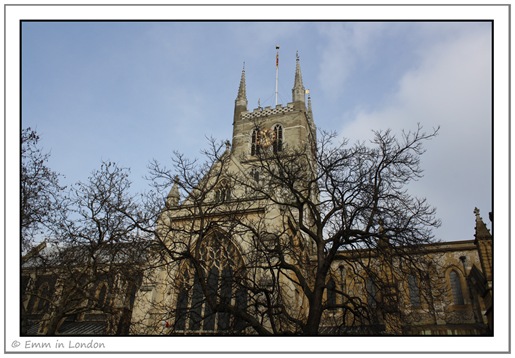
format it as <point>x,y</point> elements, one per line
<point>298,74</point>
<point>242,92</point>
<point>298,91</point>
<point>174,196</point>
<point>481,229</point>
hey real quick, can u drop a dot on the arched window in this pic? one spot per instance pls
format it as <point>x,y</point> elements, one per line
<point>371,289</point>
<point>414,291</point>
<point>254,148</point>
<point>343,277</point>
<point>255,174</point>
<point>196,302</point>
<point>223,192</point>
<point>41,303</point>
<point>457,293</point>
<point>101,295</point>
<point>278,138</point>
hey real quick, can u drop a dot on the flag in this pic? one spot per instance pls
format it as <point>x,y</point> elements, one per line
<point>277,56</point>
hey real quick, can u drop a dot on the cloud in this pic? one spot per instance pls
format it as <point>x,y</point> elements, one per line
<point>451,88</point>
<point>347,46</point>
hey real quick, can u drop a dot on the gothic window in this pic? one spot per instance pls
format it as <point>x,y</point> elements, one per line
<point>101,295</point>
<point>41,303</point>
<point>414,290</point>
<point>254,149</point>
<point>225,297</point>
<point>370,287</point>
<point>41,290</point>
<point>331,294</point>
<point>457,293</point>
<point>343,275</point>
<point>255,175</point>
<point>196,301</point>
<point>223,192</point>
<point>278,138</point>
<point>212,288</point>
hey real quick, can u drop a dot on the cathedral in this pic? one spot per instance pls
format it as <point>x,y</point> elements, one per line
<point>247,245</point>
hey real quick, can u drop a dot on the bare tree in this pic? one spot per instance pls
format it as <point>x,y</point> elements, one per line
<point>256,248</point>
<point>39,190</point>
<point>94,255</point>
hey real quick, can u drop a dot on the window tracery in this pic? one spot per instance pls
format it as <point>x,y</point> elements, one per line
<point>278,138</point>
<point>223,192</point>
<point>215,284</point>
<point>266,138</point>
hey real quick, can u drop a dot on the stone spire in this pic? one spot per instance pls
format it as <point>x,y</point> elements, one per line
<point>240,104</point>
<point>298,91</point>
<point>241,99</point>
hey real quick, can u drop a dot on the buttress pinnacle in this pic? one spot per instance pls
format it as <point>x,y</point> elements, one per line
<point>482,231</point>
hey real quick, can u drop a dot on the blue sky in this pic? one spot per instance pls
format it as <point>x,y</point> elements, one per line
<point>133,91</point>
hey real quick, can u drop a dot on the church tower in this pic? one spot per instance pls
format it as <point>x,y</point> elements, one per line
<point>225,229</point>
<point>278,127</point>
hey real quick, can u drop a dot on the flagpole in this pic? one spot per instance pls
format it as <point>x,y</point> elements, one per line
<point>276,74</point>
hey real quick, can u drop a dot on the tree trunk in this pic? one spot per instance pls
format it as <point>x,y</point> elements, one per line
<point>315,307</point>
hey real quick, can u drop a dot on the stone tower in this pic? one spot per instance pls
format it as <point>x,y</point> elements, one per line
<point>289,125</point>
<point>204,223</point>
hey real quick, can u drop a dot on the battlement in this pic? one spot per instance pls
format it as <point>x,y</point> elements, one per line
<point>268,111</point>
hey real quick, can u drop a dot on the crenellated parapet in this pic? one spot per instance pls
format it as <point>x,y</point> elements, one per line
<point>267,111</point>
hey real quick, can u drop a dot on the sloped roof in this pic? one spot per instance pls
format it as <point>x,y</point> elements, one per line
<point>82,328</point>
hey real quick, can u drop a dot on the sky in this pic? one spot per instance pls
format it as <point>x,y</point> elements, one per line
<point>130,92</point>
